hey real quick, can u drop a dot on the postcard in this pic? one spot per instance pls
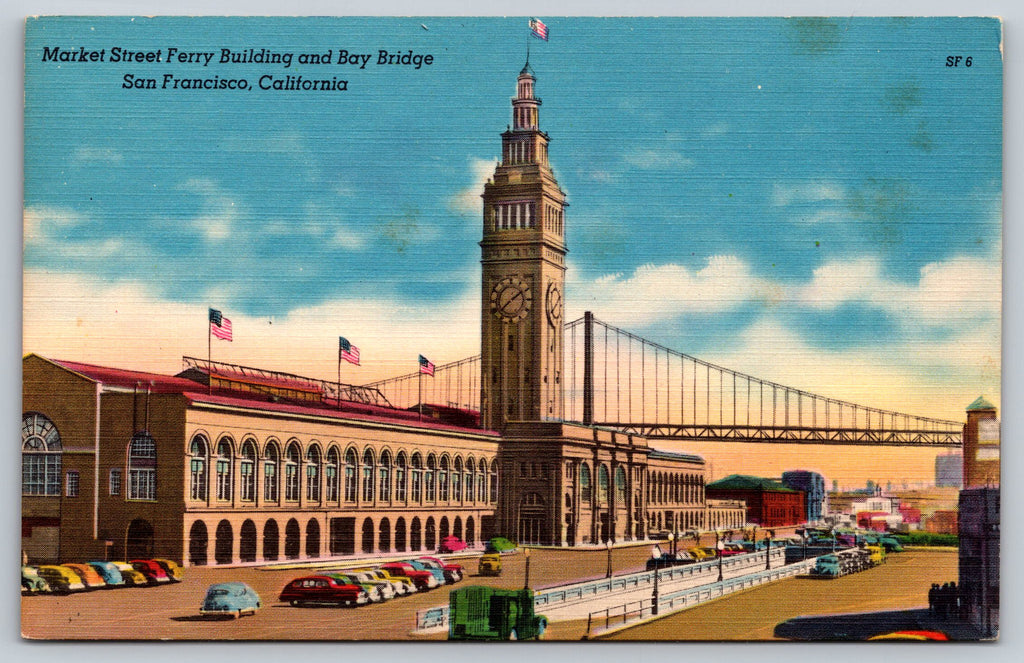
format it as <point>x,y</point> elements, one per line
<point>479,328</point>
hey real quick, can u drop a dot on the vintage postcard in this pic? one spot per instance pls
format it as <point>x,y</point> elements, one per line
<point>463,328</point>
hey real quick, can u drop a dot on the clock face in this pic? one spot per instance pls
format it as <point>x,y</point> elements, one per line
<point>554,303</point>
<point>511,299</point>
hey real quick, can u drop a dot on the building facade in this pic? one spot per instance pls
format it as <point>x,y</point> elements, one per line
<point>813,486</point>
<point>769,503</point>
<point>949,470</point>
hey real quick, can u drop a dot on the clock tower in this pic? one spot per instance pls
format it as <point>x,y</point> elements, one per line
<point>523,256</point>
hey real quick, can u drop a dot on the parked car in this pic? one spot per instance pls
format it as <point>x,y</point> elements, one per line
<point>436,571</point>
<point>406,583</point>
<point>373,591</point>
<point>154,573</point>
<point>387,589</point>
<point>132,577</point>
<point>709,552</point>
<point>171,568</point>
<point>452,572</point>
<point>733,549</point>
<point>667,559</point>
<point>230,598</point>
<point>31,582</point>
<point>499,544</point>
<point>451,544</point>
<point>423,580</point>
<point>322,589</point>
<point>90,578</point>
<point>109,572</point>
<point>489,565</point>
<point>61,579</point>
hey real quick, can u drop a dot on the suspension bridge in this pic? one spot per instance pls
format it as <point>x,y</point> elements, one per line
<point>616,379</point>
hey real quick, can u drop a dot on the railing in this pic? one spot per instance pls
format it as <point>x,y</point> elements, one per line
<point>332,391</point>
<point>635,611</point>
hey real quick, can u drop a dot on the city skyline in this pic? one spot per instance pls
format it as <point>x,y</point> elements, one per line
<point>772,195</point>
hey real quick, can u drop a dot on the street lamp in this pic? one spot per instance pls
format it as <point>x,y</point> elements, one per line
<point>768,557</point>
<point>526,583</point>
<point>719,546</point>
<point>654,592</point>
<point>672,544</point>
<point>608,546</point>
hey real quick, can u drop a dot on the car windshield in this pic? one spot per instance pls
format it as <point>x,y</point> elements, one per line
<point>218,592</point>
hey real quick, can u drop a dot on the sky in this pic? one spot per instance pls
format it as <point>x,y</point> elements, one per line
<point>815,202</point>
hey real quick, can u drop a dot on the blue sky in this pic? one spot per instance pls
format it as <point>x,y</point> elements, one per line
<point>769,194</point>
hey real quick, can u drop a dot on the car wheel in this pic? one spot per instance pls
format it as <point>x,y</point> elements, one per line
<point>512,635</point>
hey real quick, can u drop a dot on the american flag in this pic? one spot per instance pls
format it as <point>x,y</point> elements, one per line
<point>426,366</point>
<point>347,351</point>
<point>539,29</point>
<point>219,325</point>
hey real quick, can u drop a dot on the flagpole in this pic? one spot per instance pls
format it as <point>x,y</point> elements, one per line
<point>419,398</point>
<point>339,375</point>
<point>209,357</point>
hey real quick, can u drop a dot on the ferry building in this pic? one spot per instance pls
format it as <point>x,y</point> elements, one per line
<point>224,464</point>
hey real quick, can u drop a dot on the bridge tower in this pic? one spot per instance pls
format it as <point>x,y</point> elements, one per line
<point>523,258</point>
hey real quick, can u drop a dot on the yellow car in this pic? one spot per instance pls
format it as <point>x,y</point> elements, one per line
<point>132,578</point>
<point>699,554</point>
<point>490,565</point>
<point>61,579</point>
<point>174,572</point>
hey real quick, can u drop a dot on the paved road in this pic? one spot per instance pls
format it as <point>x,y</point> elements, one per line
<point>171,612</point>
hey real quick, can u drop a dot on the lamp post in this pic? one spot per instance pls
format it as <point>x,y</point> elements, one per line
<point>654,593</point>
<point>768,556</point>
<point>608,546</point>
<point>526,582</point>
<point>672,544</point>
<point>719,546</point>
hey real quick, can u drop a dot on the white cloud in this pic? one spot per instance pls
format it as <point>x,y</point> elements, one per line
<point>217,222</point>
<point>468,201</point>
<point>789,193</point>
<point>97,154</point>
<point>42,220</point>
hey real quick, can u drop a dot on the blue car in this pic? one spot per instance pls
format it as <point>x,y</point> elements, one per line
<point>420,566</point>
<point>109,572</point>
<point>230,598</point>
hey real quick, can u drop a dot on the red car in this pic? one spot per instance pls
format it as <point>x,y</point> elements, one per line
<point>450,544</point>
<point>154,572</point>
<point>423,580</point>
<point>322,589</point>
<point>452,572</point>
<point>733,549</point>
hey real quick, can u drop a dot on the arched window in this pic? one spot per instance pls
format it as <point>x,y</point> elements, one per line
<point>481,481</point>
<point>457,480</point>
<point>313,473</point>
<point>224,469</point>
<point>494,482</point>
<point>620,486</point>
<point>350,475</point>
<point>247,471</point>
<point>602,484</point>
<point>368,475</point>
<point>333,460</point>
<point>442,480</point>
<point>417,478</point>
<point>400,479</point>
<point>291,473</point>
<point>271,460</point>
<point>40,456</point>
<point>429,477</point>
<point>142,467</point>
<point>470,479</point>
<point>197,468</point>
<point>384,471</point>
<point>585,495</point>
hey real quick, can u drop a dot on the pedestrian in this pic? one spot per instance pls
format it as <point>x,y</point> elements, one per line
<point>944,601</point>
<point>954,600</point>
<point>933,597</point>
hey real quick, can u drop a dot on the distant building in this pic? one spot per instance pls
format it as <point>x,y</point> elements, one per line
<point>981,445</point>
<point>769,503</point>
<point>949,470</point>
<point>726,514</point>
<point>942,522</point>
<point>813,486</point>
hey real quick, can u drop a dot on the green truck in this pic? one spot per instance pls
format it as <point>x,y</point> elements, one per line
<point>486,613</point>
